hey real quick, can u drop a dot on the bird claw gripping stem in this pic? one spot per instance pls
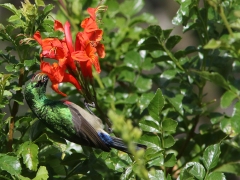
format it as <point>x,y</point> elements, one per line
<point>87,105</point>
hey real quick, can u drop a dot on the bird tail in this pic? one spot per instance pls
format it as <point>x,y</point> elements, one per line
<point>118,143</point>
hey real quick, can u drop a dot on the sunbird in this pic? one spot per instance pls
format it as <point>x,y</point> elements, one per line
<point>69,120</point>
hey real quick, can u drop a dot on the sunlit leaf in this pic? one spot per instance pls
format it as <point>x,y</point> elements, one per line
<point>156,105</point>
<point>211,156</point>
<point>10,164</point>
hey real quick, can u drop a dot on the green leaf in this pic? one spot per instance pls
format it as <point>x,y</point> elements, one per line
<point>10,7</point>
<point>227,98</point>
<point>156,174</point>
<point>226,126</point>
<point>151,140</point>
<point>170,160</point>
<point>144,17</point>
<point>172,41</point>
<point>183,13</point>
<point>29,152</point>
<point>10,67</point>
<point>215,78</point>
<point>169,125</point>
<point>29,63</point>
<point>169,74</point>
<point>168,141</point>
<point>126,75</point>
<point>132,59</point>
<point>231,125</point>
<point>149,126</point>
<point>39,3</point>
<point>13,18</point>
<point>151,44</point>
<point>147,64</point>
<point>162,58</point>
<point>143,84</point>
<point>211,156</point>
<point>166,33</point>
<point>216,176</point>
<point>144,100</point>
<point>158,160</point>
<point>130,8</point>
<point>112,10</point>
<point>10,164</point>
<point>232,167</point>
<point>42,174</point>
<point>195,169</point>
<point>156,105</point>
<point>176,102</point>
<point>155,30</point>
<point>235,118</point>
<point>127,174</point>
<point>213,44</point>
<point>131,99</point>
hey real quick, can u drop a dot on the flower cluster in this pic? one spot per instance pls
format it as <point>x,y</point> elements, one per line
<point>84,54</point>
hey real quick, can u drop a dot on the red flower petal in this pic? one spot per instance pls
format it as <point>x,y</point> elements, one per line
<point>58,26</point>
<point>100,50</point>
<point>37,37</point>
<point>72,80</point>
<point>80,56</point>
<point>68,36</point>
<point>55,88</point>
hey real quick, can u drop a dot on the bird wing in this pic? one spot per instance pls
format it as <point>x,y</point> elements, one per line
<point>83,128</point>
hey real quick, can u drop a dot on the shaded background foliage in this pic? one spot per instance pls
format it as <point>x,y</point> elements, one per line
<point>190,126</point>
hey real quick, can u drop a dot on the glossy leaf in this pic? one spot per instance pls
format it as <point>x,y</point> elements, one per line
<point>161,58</point>
<point>143,84</point>
<point>42,174</point>
<point>144,100</point>
<point>193,169</point>
<point>232,167</point>
<point>150,140</point>
<point>29,153</point>
<point>10,164</point>
<point>212,44</point>
<point>155,30</point>
<point>156,105</point>
<point>231,125</point>
<point>132,59</point>
<point>176,102</point>
<point>169,125</point>
<point>169,74</point>
<point>151,44</point>
<point>227,98</point>
<point>211,156</point>
<point>156,175</point>
<point>129,8</point>
<point>149,126</point>
<point>172,41</point>
<point>183,13</point>
<point>168,141</point>
<point>10,7</point>
<point>216,175</point>
<point>170,160</point>
<point>157,160</point>
<point>126,75</point>
<point>215,78</point>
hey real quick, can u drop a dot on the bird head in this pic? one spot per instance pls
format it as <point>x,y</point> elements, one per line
<point>42,81</point>
<point>37,86</point>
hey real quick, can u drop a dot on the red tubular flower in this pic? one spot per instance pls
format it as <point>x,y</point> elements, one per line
<point>66,42</point>
<point>88,55</point>
<point>51,48</point>
<point>58,75</point>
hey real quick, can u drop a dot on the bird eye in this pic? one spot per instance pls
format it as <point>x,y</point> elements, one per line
<point>38,84</point>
